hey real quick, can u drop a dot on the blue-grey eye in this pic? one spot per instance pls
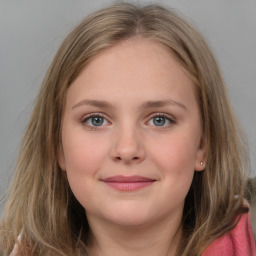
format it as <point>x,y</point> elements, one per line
<point>95,121</point>
<point>159,121</point>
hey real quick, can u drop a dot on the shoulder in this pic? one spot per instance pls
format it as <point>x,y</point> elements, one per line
<point>238,242</point>
<point>15,251</point>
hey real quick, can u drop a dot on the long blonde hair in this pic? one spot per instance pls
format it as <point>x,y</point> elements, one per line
<point>40,203</point>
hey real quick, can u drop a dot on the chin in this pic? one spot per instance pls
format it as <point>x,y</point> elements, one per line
<point>129,216</point>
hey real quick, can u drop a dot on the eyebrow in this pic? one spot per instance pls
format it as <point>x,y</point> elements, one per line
<point>94,103</point>
<point>144,105</point>
<point>162,103</point>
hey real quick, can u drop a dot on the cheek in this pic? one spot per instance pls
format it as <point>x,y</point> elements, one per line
<point>175,151</point>
<point>177,162</point>
<point>83,159</point>
<point>175,157</point>
<point>82,153</point>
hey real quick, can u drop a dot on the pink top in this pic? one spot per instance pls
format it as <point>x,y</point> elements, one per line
<point>238,242</point>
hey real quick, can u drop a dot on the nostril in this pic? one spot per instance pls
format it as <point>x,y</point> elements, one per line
<point>118,158</point>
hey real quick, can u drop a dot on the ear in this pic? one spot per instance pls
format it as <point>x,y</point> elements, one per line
<point>61,158</point>
<point>201,155</point>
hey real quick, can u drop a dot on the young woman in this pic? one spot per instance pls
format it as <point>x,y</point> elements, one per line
<point>132,147</point>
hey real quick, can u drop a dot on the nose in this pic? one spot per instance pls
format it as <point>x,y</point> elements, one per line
<point>127,147</point>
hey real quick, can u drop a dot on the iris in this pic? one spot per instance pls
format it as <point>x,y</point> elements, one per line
<point>159,121</point>
<point>97,120</point>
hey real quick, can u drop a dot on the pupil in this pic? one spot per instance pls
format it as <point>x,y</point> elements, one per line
<point>97,121</point>
<point>159,121</point>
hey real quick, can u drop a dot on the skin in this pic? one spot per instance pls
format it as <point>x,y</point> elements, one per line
<point>128,142</point>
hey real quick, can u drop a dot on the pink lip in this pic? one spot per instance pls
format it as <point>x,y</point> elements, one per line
<point>128,183</point>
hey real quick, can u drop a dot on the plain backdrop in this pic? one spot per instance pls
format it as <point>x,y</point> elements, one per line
<point>32,30</point>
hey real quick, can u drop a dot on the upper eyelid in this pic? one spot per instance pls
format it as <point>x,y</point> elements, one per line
<point>163,115</point>
<point>84,117</point>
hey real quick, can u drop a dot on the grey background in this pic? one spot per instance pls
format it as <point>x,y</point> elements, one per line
<point>32,30</point>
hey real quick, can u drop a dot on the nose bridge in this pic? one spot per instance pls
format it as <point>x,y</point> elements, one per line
<point>128,143</point>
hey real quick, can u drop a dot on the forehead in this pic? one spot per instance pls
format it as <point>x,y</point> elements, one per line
<point>135,66</point>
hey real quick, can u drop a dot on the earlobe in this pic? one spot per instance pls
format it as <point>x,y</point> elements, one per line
<point>200,166</point>
<point>61,159</point>
<point>201,156</point>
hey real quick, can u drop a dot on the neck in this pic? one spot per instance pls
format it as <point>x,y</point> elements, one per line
<point>160,238</point>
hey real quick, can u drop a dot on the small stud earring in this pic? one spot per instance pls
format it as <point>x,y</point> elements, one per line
<point>201,163</point>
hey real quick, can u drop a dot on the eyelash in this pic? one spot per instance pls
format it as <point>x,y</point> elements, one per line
<point>167,117</point>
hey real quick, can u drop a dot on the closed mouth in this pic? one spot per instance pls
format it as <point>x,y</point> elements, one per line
<point>128,183</point>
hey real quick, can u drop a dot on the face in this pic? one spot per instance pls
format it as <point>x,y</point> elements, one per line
<point>131,135</point>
